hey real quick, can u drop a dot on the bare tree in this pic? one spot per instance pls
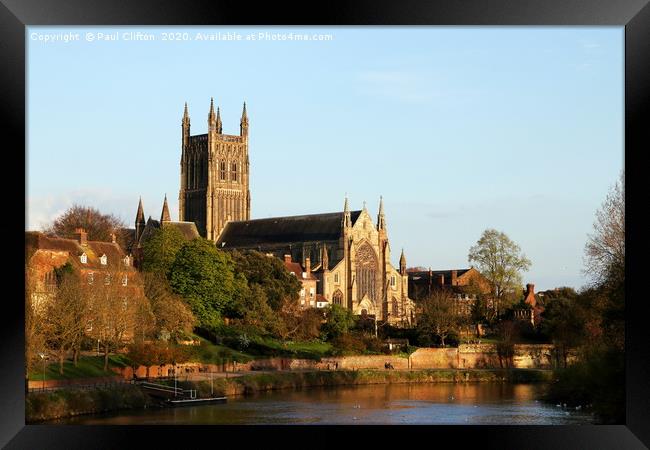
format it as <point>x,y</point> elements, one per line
<point>438,315</point>
<point>64,318</point>
<point>34,336</point>
<point>114,312</point>
<point>98,226</point>
<point>605,248</point>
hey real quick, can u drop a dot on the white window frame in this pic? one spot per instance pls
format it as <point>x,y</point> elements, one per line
<point>83,258</point>
<point>125,280</point>
<point>103,260</point>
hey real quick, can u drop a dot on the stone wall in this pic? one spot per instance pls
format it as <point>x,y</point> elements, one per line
<point>434,358</point>
<point>466,356</point>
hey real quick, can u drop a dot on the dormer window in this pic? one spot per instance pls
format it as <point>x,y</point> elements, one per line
<point>127,260</point>
<point>103,259</point>
<point>84,258</point>
<point>293,273</point>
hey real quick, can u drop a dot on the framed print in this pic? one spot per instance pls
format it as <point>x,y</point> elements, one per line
<point>379,221</point>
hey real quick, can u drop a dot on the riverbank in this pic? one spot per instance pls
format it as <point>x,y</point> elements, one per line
<point>43,406</point>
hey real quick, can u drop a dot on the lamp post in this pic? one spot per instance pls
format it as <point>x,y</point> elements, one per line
<point>175,379</point>
<point>42,355</point>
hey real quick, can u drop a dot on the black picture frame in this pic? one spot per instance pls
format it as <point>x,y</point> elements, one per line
<point>634,15</point>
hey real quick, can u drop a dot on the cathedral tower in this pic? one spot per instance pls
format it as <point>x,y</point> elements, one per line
<point>214,186</point>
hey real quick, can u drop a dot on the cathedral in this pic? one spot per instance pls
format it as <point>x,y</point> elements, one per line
<point>346,253</point>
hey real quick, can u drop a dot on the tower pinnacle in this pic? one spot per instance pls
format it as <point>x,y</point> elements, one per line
<point>165,216</point>
<point>243,124</point>
<point>381,218</point>
<point>211,116</point>
<point>219,124</point>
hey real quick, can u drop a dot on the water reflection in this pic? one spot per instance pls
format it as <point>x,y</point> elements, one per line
<point>441,403</point>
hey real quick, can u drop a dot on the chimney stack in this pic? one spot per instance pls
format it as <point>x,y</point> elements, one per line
<point>530,295</point>
<point>287,258</point>
<point>308,265</point>
<point>81,236</point>
<point>454,276</point>
<point>113,240</point>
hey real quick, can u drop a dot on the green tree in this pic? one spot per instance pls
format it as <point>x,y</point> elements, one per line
<point>172,316</point>
<point>500,260</point>
<point>563,322</point>
<point>270,274</point>
<point>160,249</point>
<point>338,321</point>
<point>204,276</point>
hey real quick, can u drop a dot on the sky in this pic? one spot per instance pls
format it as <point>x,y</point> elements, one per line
<point>460,129</point>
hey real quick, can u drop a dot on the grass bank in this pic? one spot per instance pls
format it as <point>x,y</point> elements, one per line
<point>42,406</point>
<point>87,367</point>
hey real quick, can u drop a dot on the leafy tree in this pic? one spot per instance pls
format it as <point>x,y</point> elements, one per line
<point>564,322</point>
<point>115,312</point>
<point>500,260</point>
<point>34,336</point>
<point>204,276</point>
<point>64,320</point>
<point>338,321</point>
<point>254,310</point>
<point>508,333</point>
<point>269,274</point>
<point>438,316</point>
<point>99,226</point>
<point>172,317</point>
<point>160,249</point>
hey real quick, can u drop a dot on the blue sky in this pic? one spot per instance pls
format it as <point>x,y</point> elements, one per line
<point>459,128</point>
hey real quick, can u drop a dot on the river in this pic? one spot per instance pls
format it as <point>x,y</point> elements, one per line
<point>422,404</point>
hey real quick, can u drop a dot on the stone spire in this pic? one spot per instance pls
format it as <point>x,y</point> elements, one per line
<point>139,221</point>
<point>165,217</point>
<point>243,125</point>
<point>186,115</point>
<point>347,218</point>
<point>219,124</point>
<point>402,263</point>
<point>185,125</point>
<point>212,122</point>
<point>381,219</point>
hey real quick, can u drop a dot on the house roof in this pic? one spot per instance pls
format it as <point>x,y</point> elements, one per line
<point>424,274</point>
<point>187,229</point>
<point>283,230</point>
<point>297,269</point>
<point>35,241</point>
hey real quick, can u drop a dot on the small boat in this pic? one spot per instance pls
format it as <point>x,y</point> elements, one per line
<point>196,401</point>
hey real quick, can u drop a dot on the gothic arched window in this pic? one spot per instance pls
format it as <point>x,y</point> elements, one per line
<point>366,272</point>
<point>233,170</point>
<point>222,170</point>
<point>337,298</point>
